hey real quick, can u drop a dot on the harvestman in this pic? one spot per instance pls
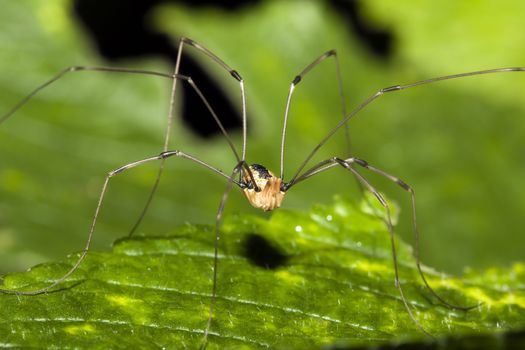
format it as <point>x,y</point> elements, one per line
<point>261,187</point>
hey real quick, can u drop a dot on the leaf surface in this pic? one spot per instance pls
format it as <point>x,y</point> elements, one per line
<point>298,280</point>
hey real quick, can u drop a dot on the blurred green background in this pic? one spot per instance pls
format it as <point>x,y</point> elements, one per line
<point>458,143</point>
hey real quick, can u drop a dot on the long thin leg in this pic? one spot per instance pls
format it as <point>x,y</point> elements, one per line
<point>411,191</point>
<point>348,166</point>
<point>63,72</point>
<point>117,171</point>
<point>218,218</point>
<point>332,162</point>
<point>175,77</point>
<point>171,116</point>
<point>383,91</point>
<point>233,73</point>
<point>296,81</point>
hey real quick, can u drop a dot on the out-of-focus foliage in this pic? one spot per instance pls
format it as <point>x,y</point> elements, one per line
<point>332,283</point>
<point>458,143</point>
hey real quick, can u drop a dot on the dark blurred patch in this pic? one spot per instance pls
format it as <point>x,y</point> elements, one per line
<point>509,340</point>
<point>231,5</point>
<point>263,253</point>
<point>119,29</point>
<point>377,41</point>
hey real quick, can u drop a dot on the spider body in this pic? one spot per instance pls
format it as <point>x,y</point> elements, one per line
<point>265,191</point>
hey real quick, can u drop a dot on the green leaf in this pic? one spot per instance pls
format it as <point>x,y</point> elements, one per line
<point>298,280</point>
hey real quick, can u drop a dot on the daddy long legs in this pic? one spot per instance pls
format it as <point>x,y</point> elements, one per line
<point>262,188</point>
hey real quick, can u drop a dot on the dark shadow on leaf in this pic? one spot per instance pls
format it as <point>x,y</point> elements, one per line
<point>263,253</point>
<point>509,340</point>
